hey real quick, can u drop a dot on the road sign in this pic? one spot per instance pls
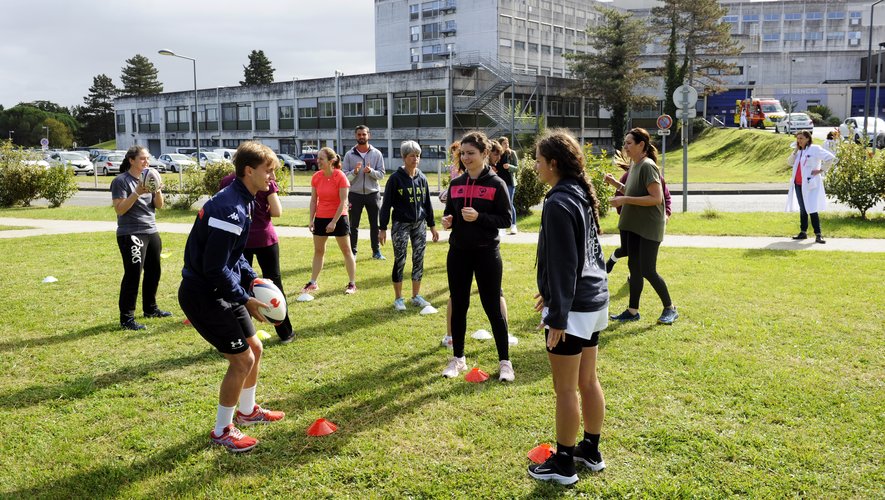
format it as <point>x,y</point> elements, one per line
<point>685,114</point>
<point>665,121</point>
<point>685,96</point>
<point>44,142</point>
<point>663,131</point>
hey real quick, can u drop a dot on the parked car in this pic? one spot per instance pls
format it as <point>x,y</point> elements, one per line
<point>310,160</point>
<point>108,163</point>
<point>176,162</point>
<point>227,154</point>
<point>852,130</point>
<point>290,162</point>
<point>153,162</point>
<point>792,123</point>
<point>208,156</point>
<point>75,160</point>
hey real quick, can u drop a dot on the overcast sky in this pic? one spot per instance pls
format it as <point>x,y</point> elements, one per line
<point>51,50</point>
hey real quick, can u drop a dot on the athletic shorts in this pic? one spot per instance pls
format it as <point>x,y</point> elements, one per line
<point>224,325</point>
<point>341,229</point>
<point>572,345</point>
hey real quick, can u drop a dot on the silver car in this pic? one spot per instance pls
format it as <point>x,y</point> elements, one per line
<point>108,164</point>
<point>177,162</point>
<point>792,123</point>
<point>74,160</point>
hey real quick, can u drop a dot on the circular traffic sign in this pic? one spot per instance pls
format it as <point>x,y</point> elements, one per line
<point>665,122</point>
<point>44,142</point>
<point>685,96</point>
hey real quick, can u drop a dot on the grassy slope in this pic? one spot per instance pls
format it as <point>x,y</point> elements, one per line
<point>749,394</point>
<point>732,155</point>
<point>111,144</point>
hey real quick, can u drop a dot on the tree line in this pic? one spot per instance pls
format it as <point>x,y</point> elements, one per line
<point>93,122</point>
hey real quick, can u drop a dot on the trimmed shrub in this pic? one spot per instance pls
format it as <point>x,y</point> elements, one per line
<point>215,171</point>
<point>529,189</point>
<point>816,119</point>
<point>596,167</point>
<point>58,185</point>
<point>191,190</point>
<point>824,111</point>
<point>833,121</point>
<point>857,179</point>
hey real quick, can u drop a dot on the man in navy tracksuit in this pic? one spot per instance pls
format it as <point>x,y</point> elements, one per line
<point>213,293</point>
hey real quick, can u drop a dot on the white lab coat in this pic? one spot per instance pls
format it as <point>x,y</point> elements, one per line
<point>811,158</point>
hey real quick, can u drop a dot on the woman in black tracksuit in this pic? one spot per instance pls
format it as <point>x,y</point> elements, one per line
<point>478,205</point>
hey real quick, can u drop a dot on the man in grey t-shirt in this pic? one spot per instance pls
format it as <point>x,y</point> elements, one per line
<point>364,167</point>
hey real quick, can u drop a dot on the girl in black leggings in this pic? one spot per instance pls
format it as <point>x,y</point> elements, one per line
<point>477,206</point>
<point>642,225</point>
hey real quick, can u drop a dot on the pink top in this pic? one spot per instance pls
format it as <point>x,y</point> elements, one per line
<point>261,233</point>
<point>328,196</point>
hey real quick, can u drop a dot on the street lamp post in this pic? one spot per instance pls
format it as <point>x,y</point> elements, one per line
<point>790,112</point>
<point>878,89</point>
<point>10,135</point>
<point>166,52</point>
<point>338,75</point>
<point>46,132</point>
<point>866,104</point>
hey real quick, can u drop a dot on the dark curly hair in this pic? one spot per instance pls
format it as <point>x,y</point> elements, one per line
<point>558,145</point>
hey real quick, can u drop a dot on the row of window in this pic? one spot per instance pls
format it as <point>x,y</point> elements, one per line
<point>792,16</point>
<point>810,35</point>
<point>435,52</point>
<point>547,8</point>
<point>534,47</point>
<point>431,9</point>
<point>432,31</point>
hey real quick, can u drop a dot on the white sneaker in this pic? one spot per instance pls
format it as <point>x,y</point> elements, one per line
<point>399,304</point>
<point>419,301</point>
<point>513,229</point>
<point>455,366</point>
<point>505,371</point>
<point>512,340</point>
<point>447,341</point>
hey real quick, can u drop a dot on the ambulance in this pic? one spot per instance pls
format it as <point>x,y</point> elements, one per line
<point>761,112</point>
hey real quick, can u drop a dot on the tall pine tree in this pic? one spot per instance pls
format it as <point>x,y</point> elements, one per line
<point>96,116</point>
<point>611,73</point>
<point>259,71</point>
<point>697,43</point>
<point>139,77</point>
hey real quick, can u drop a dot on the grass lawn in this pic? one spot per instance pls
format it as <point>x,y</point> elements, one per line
<point>732,155</point>
<point>302,179</point>
<point>836,225</point>
<point>758,390</point>
<point>111,144</point>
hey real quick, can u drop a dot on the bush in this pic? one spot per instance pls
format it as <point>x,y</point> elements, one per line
<point>857,179</point>
<point>833,121</point>
<point>215,171</point>
<point>20,183</point>
<point>190,192</point>
<point>816,118</point>
<point>819,109</point>
<point>58,185</point>
<point>529,190</point>
<point>596,167</point>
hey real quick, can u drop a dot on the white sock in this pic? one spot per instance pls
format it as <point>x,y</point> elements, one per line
<point>613,258</point>
<point>247,400</point>
<point>223,418</point>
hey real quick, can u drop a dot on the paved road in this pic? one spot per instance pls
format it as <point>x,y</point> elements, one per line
<point>43,227</point>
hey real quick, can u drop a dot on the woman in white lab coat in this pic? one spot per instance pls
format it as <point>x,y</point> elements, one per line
<point>809,162</point>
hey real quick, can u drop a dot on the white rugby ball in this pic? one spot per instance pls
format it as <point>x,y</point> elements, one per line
<point>151,180</point>
<point>265,291</point>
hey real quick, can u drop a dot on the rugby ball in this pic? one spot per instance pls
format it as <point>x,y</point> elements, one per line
<point>151,180</point>
<point>265,291</point>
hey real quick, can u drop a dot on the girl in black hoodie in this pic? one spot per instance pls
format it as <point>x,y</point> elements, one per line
<point>478,205</point>
<point>573,301</point>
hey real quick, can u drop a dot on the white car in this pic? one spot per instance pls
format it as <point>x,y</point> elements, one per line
<point>852,130</point>
<point>176,162</point>
<point>74,160</point>
<point>792,123</point>
<point>108,164</point>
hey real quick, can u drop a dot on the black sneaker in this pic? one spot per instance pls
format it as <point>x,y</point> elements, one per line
<point>819,239</point>
<point>157,313</point>
<point>625,316</point>
<point>609,265</point>
<point>288,338</point>
<point>130,324</point>
<point>590,460</point>
<point>801,236</point>
<point>551,470</point>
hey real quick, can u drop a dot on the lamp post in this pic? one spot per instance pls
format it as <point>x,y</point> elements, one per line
<point>878,89</point>
<point>790,112</point>
<point>46,132</point>
<point>338,75</point>
<point>866,104</point>
<point>10,135</point>
<point>166,52</point>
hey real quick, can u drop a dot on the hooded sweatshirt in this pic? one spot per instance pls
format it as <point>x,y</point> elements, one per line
<point>488,195</point>
<point>409,197</point>
<point>571,265</point>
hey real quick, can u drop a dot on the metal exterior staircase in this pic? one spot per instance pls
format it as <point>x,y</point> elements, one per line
<point>487,101</point>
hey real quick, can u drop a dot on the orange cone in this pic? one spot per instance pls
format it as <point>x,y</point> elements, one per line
<point>187,321</point>
<point>540,453</point>
<point>321,427</point>
<point>476,376</point>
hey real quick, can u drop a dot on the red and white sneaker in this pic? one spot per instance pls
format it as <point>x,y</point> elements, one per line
<point>259,416</point>
<point>310,287</point>
<point>233,439</point>
<point>350,289</point>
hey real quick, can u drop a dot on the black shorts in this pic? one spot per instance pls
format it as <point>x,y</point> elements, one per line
<point>224,325</point>
<point>341,229</point>
<point>572,345</point>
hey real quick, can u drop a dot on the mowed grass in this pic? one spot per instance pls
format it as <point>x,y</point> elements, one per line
<point>770,385</point>
<point>732,155</point>
<point>777,224</point>
<point>301,179</point>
